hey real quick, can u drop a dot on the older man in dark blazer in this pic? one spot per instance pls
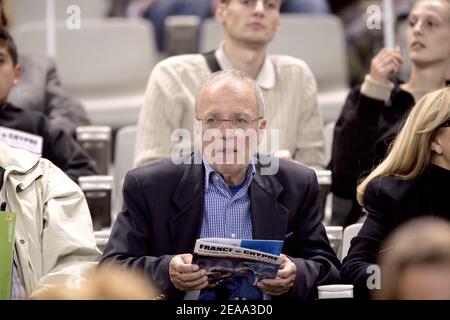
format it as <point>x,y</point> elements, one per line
<point>168,206</point>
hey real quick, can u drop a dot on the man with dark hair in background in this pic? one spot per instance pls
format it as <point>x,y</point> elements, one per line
<point>46,139</point>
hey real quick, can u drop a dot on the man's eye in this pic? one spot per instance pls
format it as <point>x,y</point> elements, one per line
<point>210,120</point>
<point>431,24</point>
<point>242,121</point>
<point>272,4</point>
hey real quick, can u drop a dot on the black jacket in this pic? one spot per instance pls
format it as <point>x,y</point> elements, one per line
<point>390,203</point>
<point>362,136</point>
<point>162,215</point>
<point>363,133</point>
<point>58,147</point>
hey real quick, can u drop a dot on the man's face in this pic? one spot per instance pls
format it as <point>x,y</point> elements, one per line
<point>250,21</point>
<point>429,32</point>
<point>228,145</point>
<point>9,74</point>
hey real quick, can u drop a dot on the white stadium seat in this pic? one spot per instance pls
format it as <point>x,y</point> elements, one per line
<point>105,64</point>
<point>123,161</point>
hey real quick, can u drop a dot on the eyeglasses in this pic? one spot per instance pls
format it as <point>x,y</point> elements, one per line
<point>238,122</point>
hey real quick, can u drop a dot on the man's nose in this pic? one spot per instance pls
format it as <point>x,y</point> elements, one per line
<point>259,7</point>
<point>417,28</point>
<point>226,128</point>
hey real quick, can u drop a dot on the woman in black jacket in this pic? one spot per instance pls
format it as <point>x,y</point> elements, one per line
<point>413,181</point>
<point>374,112</point>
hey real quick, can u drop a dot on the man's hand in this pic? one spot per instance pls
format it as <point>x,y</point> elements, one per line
<point>284,280</point>
<point>385,64</point>
<point>186,276</point>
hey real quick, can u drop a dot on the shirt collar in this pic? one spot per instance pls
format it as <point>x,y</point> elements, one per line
<point>209,172</point>
<point>266,77</point>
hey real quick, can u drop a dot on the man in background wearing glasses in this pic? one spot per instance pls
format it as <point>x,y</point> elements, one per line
<point>222,191</point>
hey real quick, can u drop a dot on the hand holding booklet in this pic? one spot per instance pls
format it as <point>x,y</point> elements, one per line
<point>234,267</point>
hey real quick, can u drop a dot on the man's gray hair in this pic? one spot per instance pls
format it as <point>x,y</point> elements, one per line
<point>231,76</point>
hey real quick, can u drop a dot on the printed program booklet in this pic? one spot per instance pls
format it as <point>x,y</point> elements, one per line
<point>234,267</point>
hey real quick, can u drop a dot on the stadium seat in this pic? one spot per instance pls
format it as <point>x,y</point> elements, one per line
<point>105,64</point>
<point>98,193</point>
<point>335,291</point>
<point>324,180</point>
<point>124,158</point>
<point>350,232</point>
<point>328,134</point>
<point>101,238</point>
<point>34,11</point>
<point>181,34</point>
<point>335,234</point>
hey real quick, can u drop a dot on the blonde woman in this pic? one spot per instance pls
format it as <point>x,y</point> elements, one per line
<point>413,181</point>
<point>374,112</point>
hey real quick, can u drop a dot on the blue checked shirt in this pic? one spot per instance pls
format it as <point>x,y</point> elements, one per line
<point>226,215</point>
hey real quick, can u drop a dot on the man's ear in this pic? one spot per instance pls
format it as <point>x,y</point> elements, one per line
<point>220,13</point>
<point>17,74</point>
<point>262,130</point>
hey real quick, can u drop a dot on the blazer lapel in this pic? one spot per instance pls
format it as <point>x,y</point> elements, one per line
<point>189,200</point>
<point>269,217</point>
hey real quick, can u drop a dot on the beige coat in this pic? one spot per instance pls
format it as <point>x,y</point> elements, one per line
<point>54,240</point>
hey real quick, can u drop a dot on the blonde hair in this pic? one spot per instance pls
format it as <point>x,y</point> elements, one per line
<point>410,153</point>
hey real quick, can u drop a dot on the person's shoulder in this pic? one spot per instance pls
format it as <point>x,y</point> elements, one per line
<point>388,187</point>
<point>18,159</point>
<point>290,69</point>
<point>288,167</point>
<point>183,62</point>
<point>285,61</point>
<point>159,172</point>
<point>184,70</point>
<point>22,113</point>
<point>11,108</point>
<point>287,171</point>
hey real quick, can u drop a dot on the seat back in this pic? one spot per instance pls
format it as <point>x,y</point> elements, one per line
<point>328,134</point>
<point>34,11</point>
<point>324,180</point>
<point>106,57</point>
<point>335,234</point>
<point>350,232</point>
<point>123,160</point>
<point>181,34</point>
